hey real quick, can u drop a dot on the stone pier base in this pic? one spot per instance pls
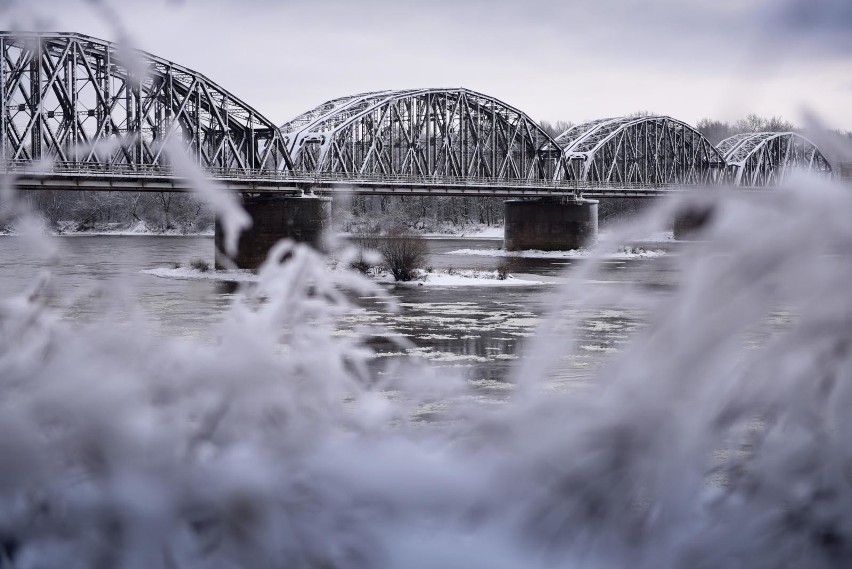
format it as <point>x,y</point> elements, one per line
<point>303,219</point>
<point>550,224</point>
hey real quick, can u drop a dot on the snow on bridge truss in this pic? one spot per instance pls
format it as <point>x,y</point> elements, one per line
<point>429,133</point>
<point>652,150</point>
<point>765,158</point>
<point>77,100</point>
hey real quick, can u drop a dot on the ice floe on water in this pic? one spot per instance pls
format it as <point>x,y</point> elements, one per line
<point>593,348</point>
<point>445,321</point>
<point>601,326</point>
<point>188,273</point>
<point>435,355</point>
<point>621,253</point>
<point>653,237</point>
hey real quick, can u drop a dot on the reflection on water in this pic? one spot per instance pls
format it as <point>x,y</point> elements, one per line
<point>475,331</point>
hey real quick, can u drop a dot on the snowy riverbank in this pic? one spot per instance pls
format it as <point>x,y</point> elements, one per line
<point>70,229</point>
<point>121,229</point>
<point>74,229</point>
<point>471,232</point>
<point>463,277</point>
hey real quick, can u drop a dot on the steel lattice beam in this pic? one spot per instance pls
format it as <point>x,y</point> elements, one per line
<point>656,150</point>
<point>71,98</point>
<point>423,133</point>
<point>761,159</point>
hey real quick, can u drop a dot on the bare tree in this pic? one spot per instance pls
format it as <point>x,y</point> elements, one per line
<point>641,114</point>
<point>757,123</point>
<point>365,242</point>
<point>555,129</point>
<point>714,131</point>
<point>403,252</point>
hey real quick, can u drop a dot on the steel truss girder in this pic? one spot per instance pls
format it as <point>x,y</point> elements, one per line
<point>422,133</point>
<point>72,98</point>
<point>654,150</point>
<point>760,159</point>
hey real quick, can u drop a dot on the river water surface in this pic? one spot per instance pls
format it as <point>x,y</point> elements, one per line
<point>475,331</point>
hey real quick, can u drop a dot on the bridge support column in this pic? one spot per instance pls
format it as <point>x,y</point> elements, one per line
<point>275,217</point>
<point>550,224</point>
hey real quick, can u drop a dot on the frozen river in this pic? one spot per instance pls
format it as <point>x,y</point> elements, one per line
<point>475,331</point>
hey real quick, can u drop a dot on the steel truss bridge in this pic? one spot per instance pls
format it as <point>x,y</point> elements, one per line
<point>81,113</point>
<point>766,158</point>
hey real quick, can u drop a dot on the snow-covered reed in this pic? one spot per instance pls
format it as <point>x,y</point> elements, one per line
<point>718,437</point>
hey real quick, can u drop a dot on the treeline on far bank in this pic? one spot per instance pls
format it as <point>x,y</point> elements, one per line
<point>65,211</point>
<point>76,211</point>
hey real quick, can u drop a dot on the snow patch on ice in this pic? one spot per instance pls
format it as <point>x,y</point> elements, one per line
<point>467,277</point>
<point>454,277</point>
<point>491,384</point>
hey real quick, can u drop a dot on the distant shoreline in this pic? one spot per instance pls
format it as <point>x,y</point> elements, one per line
<point>110,234</point>
<point>142,230</point>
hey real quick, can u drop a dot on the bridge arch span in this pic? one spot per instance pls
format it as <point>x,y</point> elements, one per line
<point>760,159</point>
<point>653,150</point>
<point>453,133</point>
<point>78,100</point>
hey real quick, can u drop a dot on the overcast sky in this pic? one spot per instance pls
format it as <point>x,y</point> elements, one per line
<point>554,59</point>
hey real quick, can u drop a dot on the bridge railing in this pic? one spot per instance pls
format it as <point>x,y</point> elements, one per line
<point>26,167</point>
<point>309,179</point>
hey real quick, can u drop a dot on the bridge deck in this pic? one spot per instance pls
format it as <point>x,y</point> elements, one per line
<point>97,177</point>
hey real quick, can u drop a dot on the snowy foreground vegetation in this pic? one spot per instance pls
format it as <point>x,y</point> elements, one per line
<point>279,446</point>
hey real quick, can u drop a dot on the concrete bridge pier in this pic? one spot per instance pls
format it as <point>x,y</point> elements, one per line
<point>550,224</point>
<point>275,217</point>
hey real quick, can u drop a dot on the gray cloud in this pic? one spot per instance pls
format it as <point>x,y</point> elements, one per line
<point>810,27</point>
<point>820,16</point>
<point>556,59</point>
